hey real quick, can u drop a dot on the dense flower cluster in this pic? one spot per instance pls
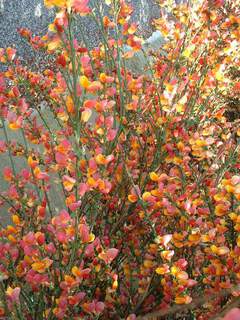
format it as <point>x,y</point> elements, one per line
<point>146,167</point>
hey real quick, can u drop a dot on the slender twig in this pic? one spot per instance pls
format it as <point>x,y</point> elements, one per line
<point>195,303</point>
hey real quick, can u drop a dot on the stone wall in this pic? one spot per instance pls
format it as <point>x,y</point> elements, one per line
<point>32,14</point>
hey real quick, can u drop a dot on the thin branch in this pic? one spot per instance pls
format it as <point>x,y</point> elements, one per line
<point>195,303</point>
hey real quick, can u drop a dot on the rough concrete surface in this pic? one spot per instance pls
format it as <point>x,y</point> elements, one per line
<point>32,14</point>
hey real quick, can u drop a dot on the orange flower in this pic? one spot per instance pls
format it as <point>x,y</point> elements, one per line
<point>105,79</point>
<point>70,104</point>
<point>70,281</point>
<point>219,250</point>
<point>80,273</point>
<point>221,209</point>
<point>153,176</point>
<point>84,82</point>
<point>68,182</point>
<point>167,254</point>
<point>92,182</point>
<point>148,263</point>
<point>32,162</point>
<point>146,196</point>
<point>132,198</point>
<point>12,239</point>
<point>100,159</point>
<point>183,299</point>
<point>107,22</point>
<point>54,44</point>
<point>163,269</point>
<point>16,219</point>
<point>178,273</point>
<point>41,266</point>
<point>194,238</point>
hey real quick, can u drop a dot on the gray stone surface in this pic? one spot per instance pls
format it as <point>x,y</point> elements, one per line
<point>22,14</point>
<point>32,14</point>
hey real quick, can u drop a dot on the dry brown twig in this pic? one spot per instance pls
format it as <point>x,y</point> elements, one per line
<point>233,304</point>
<point>195,303</point>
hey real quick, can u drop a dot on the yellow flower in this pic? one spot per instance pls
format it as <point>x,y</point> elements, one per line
<point>188,51</point>
<point>68,182</point>
<point>16,219</point>
<point>163,269</point>
<point>57,3</point>
<point>153,176</point>
<point>86,115</point>
<point>84,82</point>
<point>41,266</point>
<point>100,159</point>
<point>219,250</point>
<point>54,44</point>
<point>146,195</point>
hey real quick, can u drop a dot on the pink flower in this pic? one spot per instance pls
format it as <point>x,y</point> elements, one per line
<point>166,239</point>
<point>74,300</point>
<point>61,236</point>
<point>109,122</point>
<point>111,134</point>
<point>2,146</point>
<point>96,307</point>
<point>85,60</point>
<point>13,296</point>
<point>11,53</point>
<point>234,314</point>
<point>7,173</point>
<point>62,219</point>
<point>109,255</point>
<point>74,206</point>
<point>61,158</point>
<point>36,279</point>
<point>84,233</point>
<point>25,173</point>
<point>2,84</point>
<point>83,188</point>
<point>50,248</point>
<point>68,182</point>
<point>218,3</point>
<point>81,7</point>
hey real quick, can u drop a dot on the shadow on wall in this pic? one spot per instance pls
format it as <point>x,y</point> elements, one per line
<point>138,63</point>
<point>16,136</point>
<point>23,9</point>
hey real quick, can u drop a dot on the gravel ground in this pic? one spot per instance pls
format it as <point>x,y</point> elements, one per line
<point>32,14</point>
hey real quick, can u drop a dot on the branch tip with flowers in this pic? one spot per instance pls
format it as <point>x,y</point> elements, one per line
<point>127,199</point>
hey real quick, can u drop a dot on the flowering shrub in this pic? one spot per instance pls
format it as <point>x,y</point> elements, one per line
<point>148,167</point>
